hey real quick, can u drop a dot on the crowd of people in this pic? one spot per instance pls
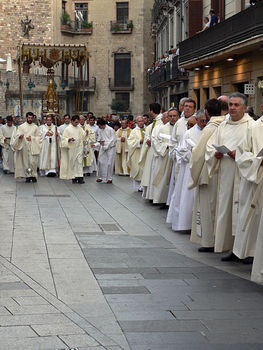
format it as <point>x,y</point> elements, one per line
<point>205,166</point>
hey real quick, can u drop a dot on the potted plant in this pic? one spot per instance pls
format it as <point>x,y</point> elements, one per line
<point>65,20</point>
<point>86,26</point>
<point>116,28</point>
<point>130,25</point>
<point>118,106</point>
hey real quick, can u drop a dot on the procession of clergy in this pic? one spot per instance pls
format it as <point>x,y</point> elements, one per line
<point>205,166</point>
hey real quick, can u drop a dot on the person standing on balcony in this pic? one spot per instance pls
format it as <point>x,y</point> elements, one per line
<point>214,19</point>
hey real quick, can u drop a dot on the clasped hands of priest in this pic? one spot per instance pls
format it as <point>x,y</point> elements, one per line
<point>232,154</point>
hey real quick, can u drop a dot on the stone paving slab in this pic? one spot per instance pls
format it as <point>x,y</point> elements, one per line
<point>102,267</point>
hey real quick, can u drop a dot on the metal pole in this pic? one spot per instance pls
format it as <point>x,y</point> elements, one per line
<point>20,80</point>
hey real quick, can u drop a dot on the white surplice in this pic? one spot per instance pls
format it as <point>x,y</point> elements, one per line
<point>163,164</point>
<point>134,150</point>
<point>251,173</point>
<point>181,206</point>
<point>121,167</point>
<point>230,134</point>
<point>6,133</point>
<point>48,159</point>
<point>106,153</point>
<point>27,152</point>
<point>202,231</point>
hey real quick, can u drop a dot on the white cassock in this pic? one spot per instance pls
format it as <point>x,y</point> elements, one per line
<point>71,165</point>
<point>179,129</point>
<point>251,191</point>
<point>147,154</point>
<point>27,152</point>
<point>48,159</point>
<point>202,231</point>
<point>230,134</point>
<point>134,150</point>
<point>88,153</point>
<point>181,206</point>
<point>95,148</point>
<point>61,128</point>
<point>6,133</point>
<point>106,153</point>
<point>121,167</point>
<point>163,164</point>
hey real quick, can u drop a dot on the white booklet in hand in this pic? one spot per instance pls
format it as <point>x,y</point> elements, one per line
<point>260,154</point>
<point>222,149</point>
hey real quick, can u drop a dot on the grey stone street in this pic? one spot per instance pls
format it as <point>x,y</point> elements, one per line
<point>96,267</point>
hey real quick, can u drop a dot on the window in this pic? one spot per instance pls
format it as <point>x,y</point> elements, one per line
<point>122,12</point>
<point>123,97</point>
<point>122,69</point>
<point>81,12</point>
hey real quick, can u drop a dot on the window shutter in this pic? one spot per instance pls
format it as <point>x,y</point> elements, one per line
<point>195,16</point>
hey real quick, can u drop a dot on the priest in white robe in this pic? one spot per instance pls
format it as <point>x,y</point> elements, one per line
<point>107,140</point>
<point>49,155</point>
<point>202,231</point>
<point>250,193</point>
<point>121,167</point>
<point>66,123</point>
<point>230,134</point>
<point>27,144</point>
<point>146,156</point>
<point>6,133</point>
<point>181,206</point>
<point>135,142</point>
<point>163,164</point>
<point>180,127</point>
<point>72,150</point>
<point>88,154</point>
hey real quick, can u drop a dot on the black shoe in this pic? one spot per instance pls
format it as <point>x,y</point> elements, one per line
<point>230,257</point>
<point>28,179</point>
<point>248,261</point>
<point>88,174</point>
<point>74,181</point>
<point>206,250</point>
<point>5,171</point>
<point>51,175</point>
<point>33,179</point>
<point>81,180</point>
<point>164,206</point>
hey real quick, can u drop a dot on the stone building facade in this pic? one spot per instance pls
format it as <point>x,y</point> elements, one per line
<point>119,45</point>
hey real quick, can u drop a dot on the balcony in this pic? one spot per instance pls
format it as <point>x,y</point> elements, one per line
<point>117,87</point>
<point>237,34</point>
<point>121,28</point>
<point>168,74</point>
<point>77,28</point>
<point>84,85</point>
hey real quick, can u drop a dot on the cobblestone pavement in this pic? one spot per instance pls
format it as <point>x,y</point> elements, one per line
<point>94,266</point>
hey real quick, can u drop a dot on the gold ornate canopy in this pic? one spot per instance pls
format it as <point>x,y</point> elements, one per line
<point>49,56</point>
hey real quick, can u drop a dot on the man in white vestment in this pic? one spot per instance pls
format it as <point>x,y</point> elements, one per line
<point>7,152</point>
<point>135,142</point>
<point>49,155</point>
<point>121,167</point>
<point>181,206</point>
<point>72,150</point>
<point>180,127</point>
<point>146,155</point>
<point>249,163</point>
<point>88,154</point>
<point>163,164</point>
<point>230,134</point>
<point>107,140</point>
<point>94,145</point>
<point>202,231</point>
<point>27,144</point>
<point>63,126</point>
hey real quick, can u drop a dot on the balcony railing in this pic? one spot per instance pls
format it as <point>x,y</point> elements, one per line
<point>240,28</point>
<point>121,28</point>
<point>117,87</point>
<point>86,85</point>
<point>166,74</point>
<point>76,27</point>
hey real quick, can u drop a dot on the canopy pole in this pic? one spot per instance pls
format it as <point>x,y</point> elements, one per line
<point>20,81</point>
